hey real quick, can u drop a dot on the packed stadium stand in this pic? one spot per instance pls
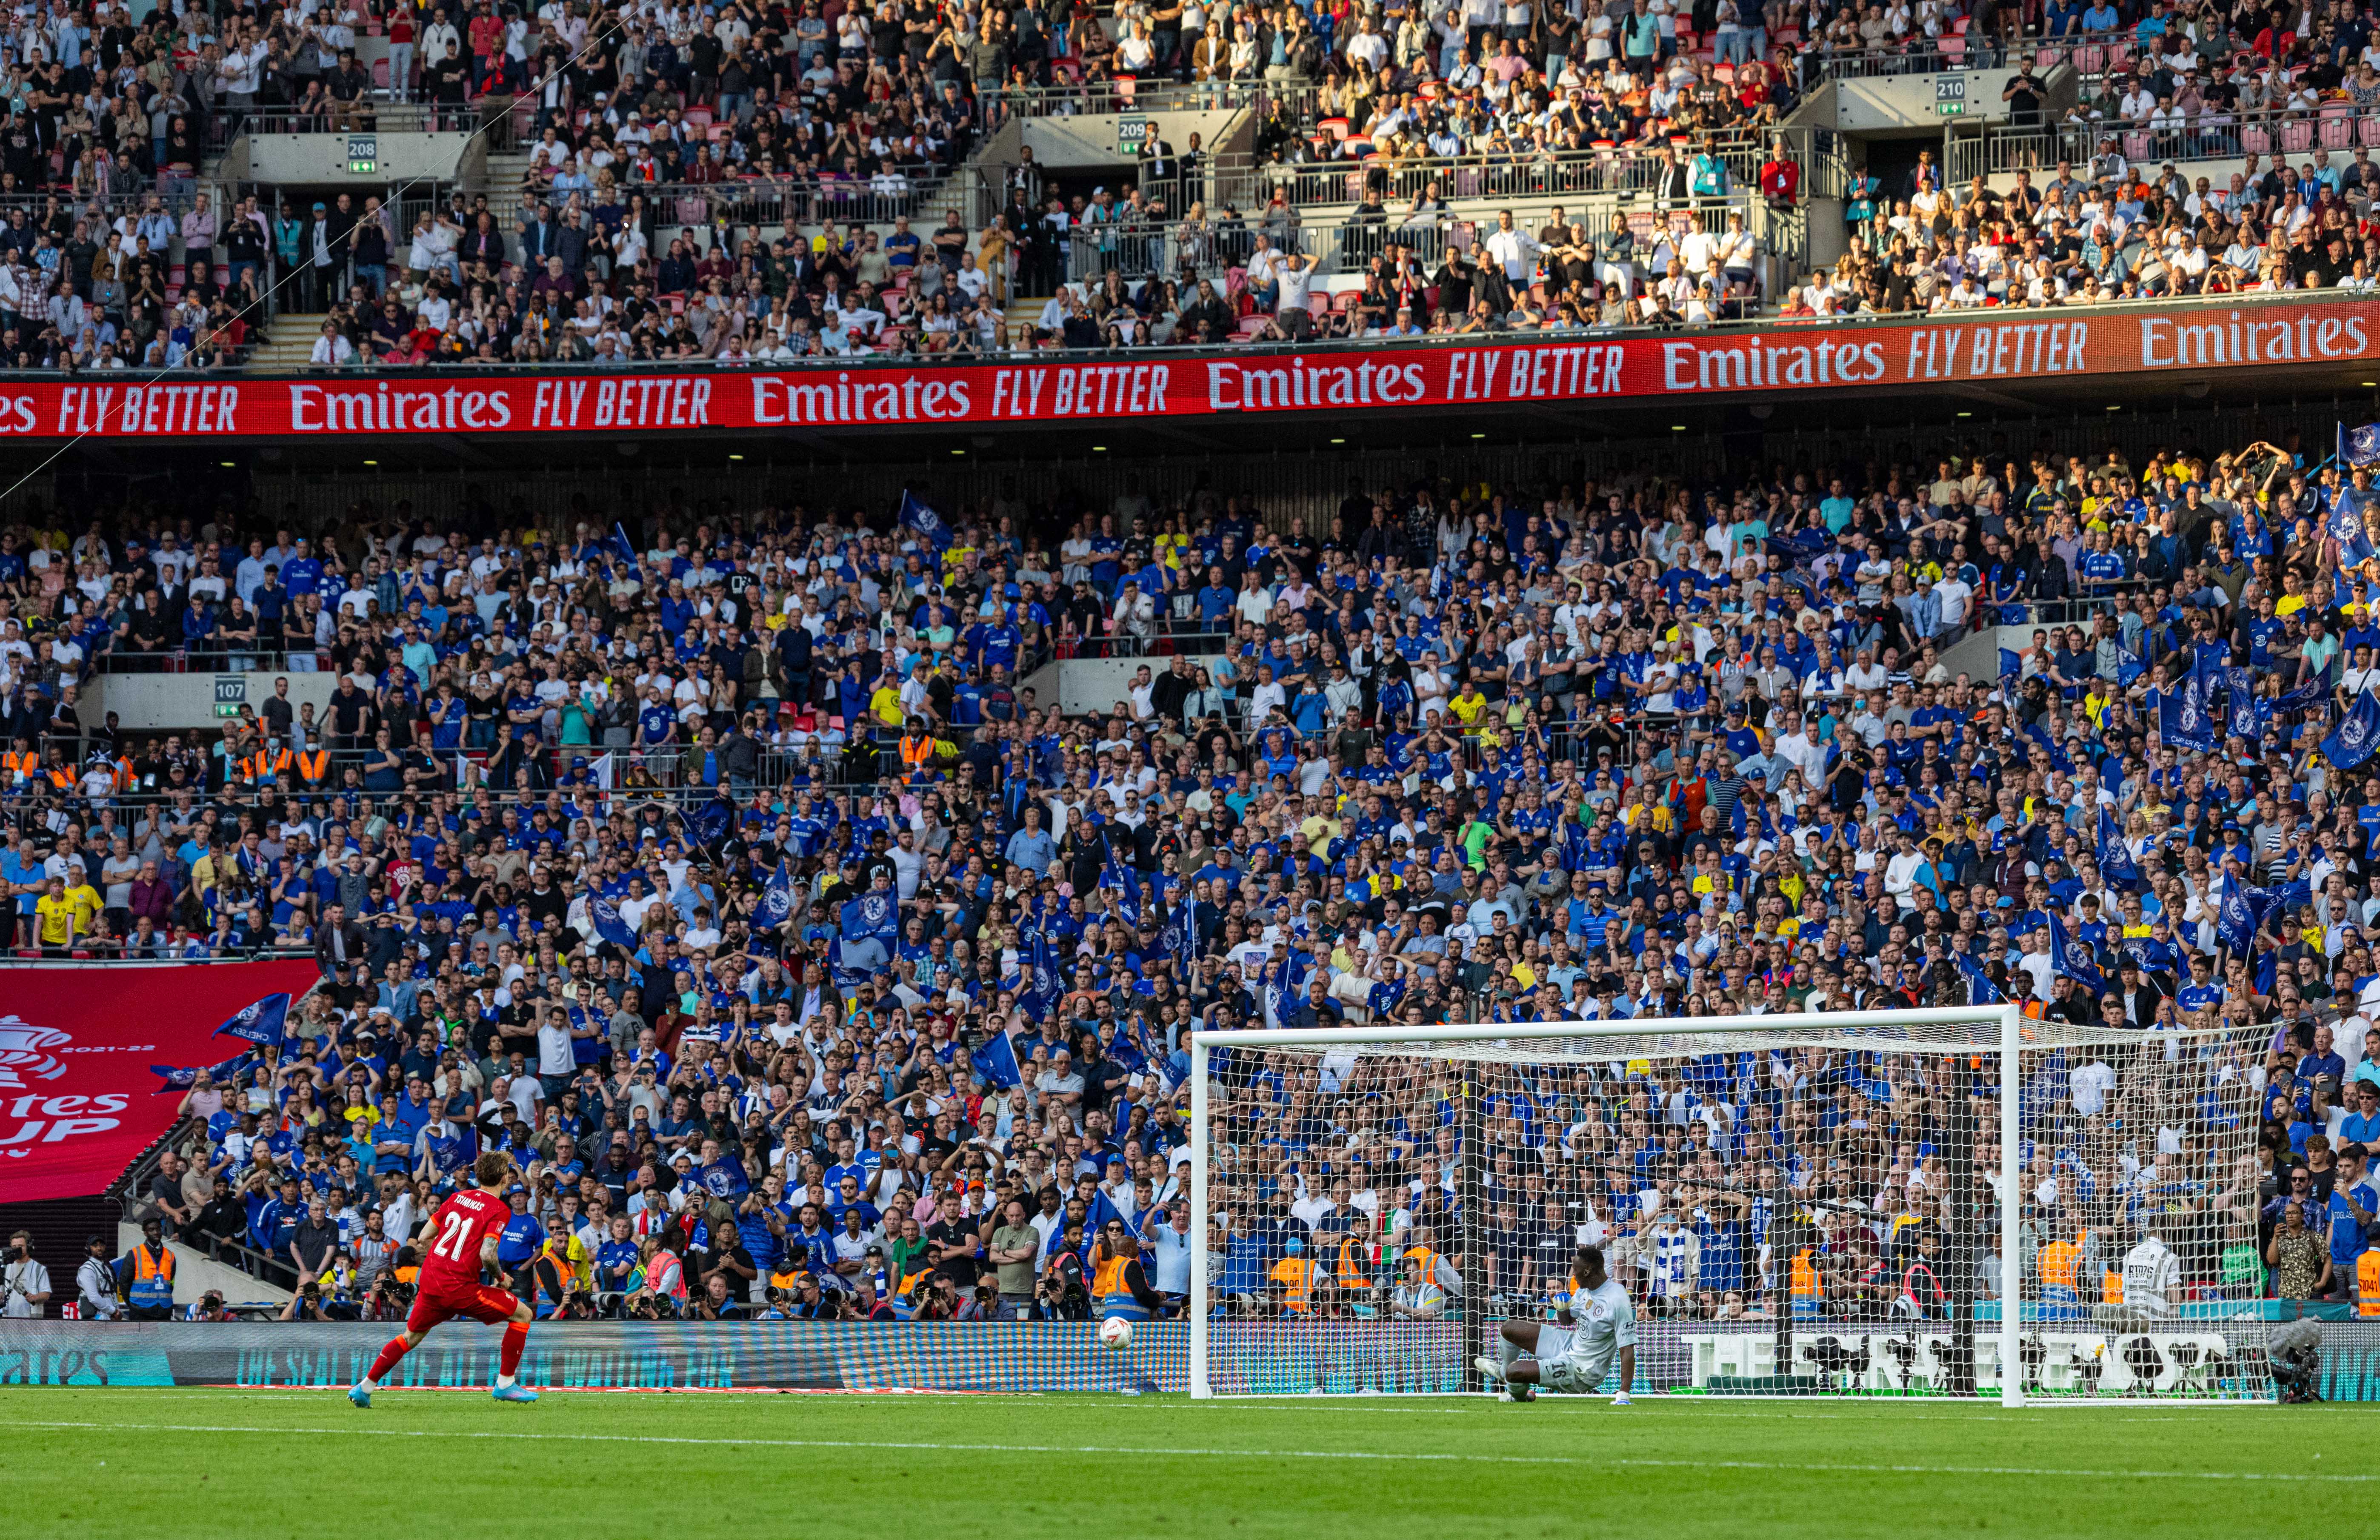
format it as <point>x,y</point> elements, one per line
<point>745,864</point>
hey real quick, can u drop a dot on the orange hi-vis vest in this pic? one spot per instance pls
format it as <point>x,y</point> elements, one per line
<point>314,767</point>
<point>2367,1284</point>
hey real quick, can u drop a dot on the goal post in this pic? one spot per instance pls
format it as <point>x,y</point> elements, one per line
<point>1827,1203</point>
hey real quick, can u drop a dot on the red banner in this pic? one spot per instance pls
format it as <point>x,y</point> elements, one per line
<point>78,1098</point>
<point>1996,347</point>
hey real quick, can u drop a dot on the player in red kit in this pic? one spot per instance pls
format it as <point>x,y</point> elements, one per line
<point>462,1241</point>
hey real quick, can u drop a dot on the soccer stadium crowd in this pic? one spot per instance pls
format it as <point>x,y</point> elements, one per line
<point>737,183</point>
<point>727,874</point>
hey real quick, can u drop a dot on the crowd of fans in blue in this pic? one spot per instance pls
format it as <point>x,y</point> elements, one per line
<point>810,964</point>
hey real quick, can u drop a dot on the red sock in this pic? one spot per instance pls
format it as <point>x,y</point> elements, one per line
<point>516,1338</point>
<point>396,1350</point>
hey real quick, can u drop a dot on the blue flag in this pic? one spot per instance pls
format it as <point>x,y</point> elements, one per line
<point>2345,524</point>
<point>2071,962</point>
<point>609,924</point>
<point>2238,917</point>
<point>777,899</point>
<point>1043,994</point>
<point>2182,720</point>
<point>2284,898</point>
<point>2312,692</point>
<point>2244,715</point>
<point>2357,735</point>
<point>2012,663</point>
<point>260,1023</point>
<point>1181,933</point>
<point>1981,990</point>
<point>1104,1212</point>
<point>2115,863</point>
<point>708,823</point>
<point>726,1178</point>
<point>873,915</point>
<point>2205,677</point>
<point>1124,1049</point>
<point>2359,446</point>
<point>1161,1059</point>
<point>621,546</point>
<point>182,1080</point>
<point>928,524</point>
<point>995,1062</point>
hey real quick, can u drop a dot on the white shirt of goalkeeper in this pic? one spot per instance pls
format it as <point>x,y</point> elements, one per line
<point>1602,1322</point>
<point>2152,1273</point>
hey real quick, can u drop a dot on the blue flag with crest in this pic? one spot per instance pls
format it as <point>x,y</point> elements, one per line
<point>2069,961</point>
<point>2359,446</point>
<point>777,899</point>
<point>924,521</point>
<point>2182,720</point>
<point>609,925</point>
<point>2345,524</point>
<point>873,915</point>
<point>2245,716</point>
<point>2305,697</point>
<point>726,1178</point>
<point>2115,863</point>
<point>2238,917</point>
<point>258,1023</point>
<point>2357,735</point>
<point>182,1080</point>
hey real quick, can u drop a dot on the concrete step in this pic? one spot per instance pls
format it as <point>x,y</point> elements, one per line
<point>292,344</point>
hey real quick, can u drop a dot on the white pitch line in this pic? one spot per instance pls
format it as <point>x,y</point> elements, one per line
<point>926,1447</point>
<point>1428,1406</point>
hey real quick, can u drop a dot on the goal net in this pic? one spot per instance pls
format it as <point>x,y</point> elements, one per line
<point>1796,1205</point>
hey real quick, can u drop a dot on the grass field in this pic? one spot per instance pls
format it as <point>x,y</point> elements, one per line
<point>191,1463</point>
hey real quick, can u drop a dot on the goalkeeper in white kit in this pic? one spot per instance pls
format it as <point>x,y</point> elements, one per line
<point>1598,1326</point>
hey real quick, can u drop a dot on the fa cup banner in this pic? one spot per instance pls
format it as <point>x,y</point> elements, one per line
<point>81,1050</point>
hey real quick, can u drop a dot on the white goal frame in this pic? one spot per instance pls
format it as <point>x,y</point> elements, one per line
<point>2010,1020</point>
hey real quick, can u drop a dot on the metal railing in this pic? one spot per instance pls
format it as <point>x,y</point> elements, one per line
<point>367,115</point>
<point>1613,168</point>
<point>762,201</point>
<point>2336,125</point>
<point>1115,97</point>
<point>1346,245</point>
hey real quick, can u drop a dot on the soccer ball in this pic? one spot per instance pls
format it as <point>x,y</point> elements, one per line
<point>1115,1332</point>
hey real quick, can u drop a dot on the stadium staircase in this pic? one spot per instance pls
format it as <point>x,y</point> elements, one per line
<point>292,344</point>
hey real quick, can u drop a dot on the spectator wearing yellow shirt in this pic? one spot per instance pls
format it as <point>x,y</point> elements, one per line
<point>63,914</point>
<point>1470,705</point>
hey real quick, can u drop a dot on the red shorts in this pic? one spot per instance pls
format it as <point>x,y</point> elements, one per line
<point>477,1303</point>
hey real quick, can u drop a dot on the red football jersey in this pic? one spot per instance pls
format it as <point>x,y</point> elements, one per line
<point>455,1232</point>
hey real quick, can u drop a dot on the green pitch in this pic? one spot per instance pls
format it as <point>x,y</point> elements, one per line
<point>427,1464</point>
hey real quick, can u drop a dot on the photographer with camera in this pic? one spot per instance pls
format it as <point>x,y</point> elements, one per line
<point>1065,1293</point>
<point>306,1304</point>
<point>393,1288</point>
<point>24,1282</point>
